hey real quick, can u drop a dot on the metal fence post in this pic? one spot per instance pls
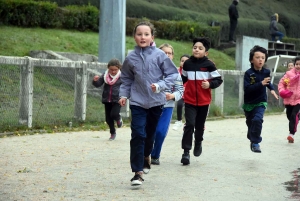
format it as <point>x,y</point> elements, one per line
<point>26,94</point>
<point>80,91</point>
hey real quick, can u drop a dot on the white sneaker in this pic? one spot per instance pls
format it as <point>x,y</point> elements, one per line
<point>177,125</point>
<point>137,180</point>
<point>278,41</point>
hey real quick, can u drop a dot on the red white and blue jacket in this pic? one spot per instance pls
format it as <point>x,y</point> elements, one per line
<point>194,72</point>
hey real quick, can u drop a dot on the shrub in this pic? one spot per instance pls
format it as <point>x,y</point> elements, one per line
<point>179,30</point>
<point>81,18</point>
<point>28,13</point>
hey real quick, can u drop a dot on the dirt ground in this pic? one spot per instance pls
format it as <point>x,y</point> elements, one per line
<point>86,166</point>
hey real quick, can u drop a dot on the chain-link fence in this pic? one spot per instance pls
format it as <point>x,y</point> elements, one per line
<point>41,92</point>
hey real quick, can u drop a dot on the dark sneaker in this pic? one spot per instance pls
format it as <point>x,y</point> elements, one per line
<point>155,161</point>
<point>112,136</point>
<point>120,122</point>
<point>197,149</point>
<point>137,180</point>
<point>185,160</point>
<point>147,165</point>
<point>255,148</point>
<point>290,139</point>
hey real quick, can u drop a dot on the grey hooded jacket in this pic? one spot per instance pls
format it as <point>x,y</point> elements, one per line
<point>143,67</point>
<point>273,25</point>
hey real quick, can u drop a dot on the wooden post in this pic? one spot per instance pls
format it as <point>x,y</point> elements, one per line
<point>80,92</point>
<point>241,90</point>
<point>26,94</point>
<point>219,94</point>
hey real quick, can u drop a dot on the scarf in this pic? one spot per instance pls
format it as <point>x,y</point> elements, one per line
<point>110,79</point>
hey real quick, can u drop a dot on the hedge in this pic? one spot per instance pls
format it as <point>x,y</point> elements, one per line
<point>43,14</point>
<point>48,15</point>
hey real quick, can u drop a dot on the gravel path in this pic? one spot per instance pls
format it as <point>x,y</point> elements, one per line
<point>86,166</point>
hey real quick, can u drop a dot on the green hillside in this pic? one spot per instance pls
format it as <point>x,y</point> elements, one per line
<point>15,41</point>
<point>258,9</point>
<point>254,15</point>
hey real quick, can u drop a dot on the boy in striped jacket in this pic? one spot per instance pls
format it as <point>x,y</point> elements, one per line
<point>200,75</point>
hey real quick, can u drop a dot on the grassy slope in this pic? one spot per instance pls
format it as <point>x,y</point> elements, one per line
<point>258,9</point>
<point>16,41</point>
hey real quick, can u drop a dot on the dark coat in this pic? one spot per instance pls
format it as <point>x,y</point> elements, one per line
<point>110,92</point>
<point>233,12</point>
<point>254,91</point>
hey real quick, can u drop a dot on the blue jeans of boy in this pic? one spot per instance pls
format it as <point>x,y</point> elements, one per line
<point>254,121</point>
<point>143,126</point>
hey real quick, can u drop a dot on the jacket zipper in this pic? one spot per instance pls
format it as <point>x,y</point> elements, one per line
<point>196,89</point>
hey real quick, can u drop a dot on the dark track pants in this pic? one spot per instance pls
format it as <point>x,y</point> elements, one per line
<point>254,121</point>
<point>195,117</point>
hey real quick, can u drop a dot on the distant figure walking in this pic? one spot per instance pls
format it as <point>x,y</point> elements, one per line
<point>274,29</point>
<point>233,16</point>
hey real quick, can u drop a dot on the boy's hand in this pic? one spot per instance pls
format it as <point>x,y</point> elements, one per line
<point>266,81</point>
<point>122,101</point>
<point>96,78</point>
<point>274,94</point>
<point>205,84</point>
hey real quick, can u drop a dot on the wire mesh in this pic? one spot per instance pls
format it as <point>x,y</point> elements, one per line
<point>9,96</point>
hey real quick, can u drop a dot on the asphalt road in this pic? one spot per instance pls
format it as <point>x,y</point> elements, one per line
<point>86,166</point>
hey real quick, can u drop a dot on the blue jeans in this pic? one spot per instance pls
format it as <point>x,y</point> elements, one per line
<point>279,34</point>
<point>143,126</point>
<point>161,131</point>
<point>254,121</point>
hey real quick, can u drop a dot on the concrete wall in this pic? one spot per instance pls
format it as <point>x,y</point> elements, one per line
<point>243,46</point>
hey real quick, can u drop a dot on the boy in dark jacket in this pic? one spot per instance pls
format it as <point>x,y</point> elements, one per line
<point>110,96</point>
<point>199,75</point>
<point>256,79</point>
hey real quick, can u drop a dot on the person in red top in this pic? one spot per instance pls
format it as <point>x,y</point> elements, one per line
<point>180,103</point>
<point>200,75</point>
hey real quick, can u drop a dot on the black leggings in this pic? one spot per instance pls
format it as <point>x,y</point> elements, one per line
<point>292,114</point>
<point>180,105</point>
<point>112,113</point>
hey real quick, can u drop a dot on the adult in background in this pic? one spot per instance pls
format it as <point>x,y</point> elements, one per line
<point>274,29</point>
<point>233,16</point>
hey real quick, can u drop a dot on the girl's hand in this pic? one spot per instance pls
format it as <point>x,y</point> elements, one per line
<point>274,94</point>
<point>96,78</point>
<point>169,96</point>
<point>153,87</point>
<point>205,84</point>
<point>122,101</point>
